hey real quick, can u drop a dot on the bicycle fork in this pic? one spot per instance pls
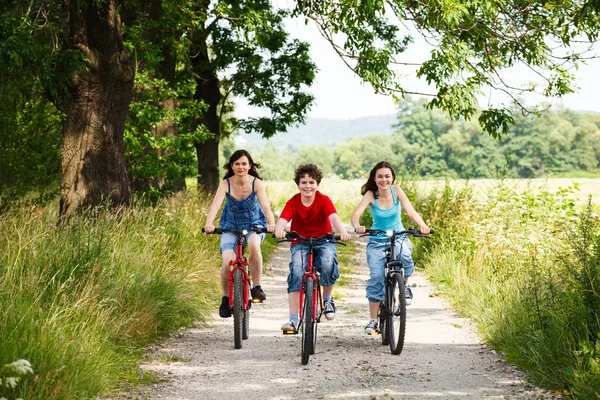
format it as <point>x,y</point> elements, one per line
<point>245,283</point>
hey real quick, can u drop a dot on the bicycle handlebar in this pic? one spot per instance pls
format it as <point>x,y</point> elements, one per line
<point>219,231</point>
<point>390,233</point>
<point>291,236</point>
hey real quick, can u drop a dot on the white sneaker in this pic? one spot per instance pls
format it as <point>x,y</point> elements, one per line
<point>371,327</point>
<point>290,327</point>
<point>409,295</point>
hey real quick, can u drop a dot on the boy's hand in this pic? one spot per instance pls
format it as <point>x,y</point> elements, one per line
<point>345,236</point>
<point>209,228</point>
<point>280,234</point>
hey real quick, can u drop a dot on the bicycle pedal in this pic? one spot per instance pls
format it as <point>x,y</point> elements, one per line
<point>257,301</point>
<point>290,332</point>
<point>374,333</point>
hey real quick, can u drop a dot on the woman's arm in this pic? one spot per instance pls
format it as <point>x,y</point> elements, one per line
<point>214,207</point>
<point>365,202</point>
<point>261,192</point>
<point>410,211</point>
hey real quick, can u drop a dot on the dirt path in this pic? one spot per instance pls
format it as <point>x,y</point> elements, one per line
<point>442,357</point>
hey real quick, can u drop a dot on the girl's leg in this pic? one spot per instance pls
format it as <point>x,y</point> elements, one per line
<point>255,260</point>
<point>227,255</point>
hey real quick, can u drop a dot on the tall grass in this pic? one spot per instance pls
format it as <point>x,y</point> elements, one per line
<point>525,266</point>
<point>81,301</point>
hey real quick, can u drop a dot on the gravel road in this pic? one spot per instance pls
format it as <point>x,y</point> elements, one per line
<point>442,358</point>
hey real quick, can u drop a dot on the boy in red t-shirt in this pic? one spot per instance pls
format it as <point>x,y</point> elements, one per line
<point>312,214</point>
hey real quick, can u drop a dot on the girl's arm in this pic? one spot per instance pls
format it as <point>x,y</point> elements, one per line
<point>214,207</point>
<point>365,202</point>
<point>261,192</point>
<point>410,211</point>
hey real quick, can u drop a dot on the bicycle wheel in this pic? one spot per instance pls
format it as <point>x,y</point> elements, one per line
<point>383,326</point>
<point>315,323</point>
<point>397,316</point>
<point>238,308</point>
<point>307,321</point>
<point>246,324</point>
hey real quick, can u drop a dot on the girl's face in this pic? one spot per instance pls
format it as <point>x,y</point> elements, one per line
<point>241,166</point>
<point>384,178</point>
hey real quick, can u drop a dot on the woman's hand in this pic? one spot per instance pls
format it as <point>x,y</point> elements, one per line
<point>424,229</point>
<point>271,228</point>
<point>208,228</point>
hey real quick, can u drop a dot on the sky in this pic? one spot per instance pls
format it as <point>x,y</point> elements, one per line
<point>340,94</point>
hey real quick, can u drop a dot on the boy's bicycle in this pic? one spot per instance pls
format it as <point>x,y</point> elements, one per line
<point>240,298</point>
<point>392,310</point>
<point>311,298</point>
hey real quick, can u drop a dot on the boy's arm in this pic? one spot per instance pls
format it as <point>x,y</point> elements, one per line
<point>339,226</point>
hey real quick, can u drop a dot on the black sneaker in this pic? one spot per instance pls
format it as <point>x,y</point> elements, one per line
<point>258,296</point>
<point>329,309</point>
<point>224,311</point>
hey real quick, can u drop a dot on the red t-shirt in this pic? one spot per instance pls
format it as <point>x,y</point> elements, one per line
<point>311,221</point>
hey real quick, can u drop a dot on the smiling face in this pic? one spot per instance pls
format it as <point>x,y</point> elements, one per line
<point>307,186</point>
<point>384,179</point>
<point>241,166</point>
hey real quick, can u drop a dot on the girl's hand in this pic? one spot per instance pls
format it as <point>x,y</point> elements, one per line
<point>209,228</point>
<point>360,229</point>
<point>271,228</point>
<point>424,229</point>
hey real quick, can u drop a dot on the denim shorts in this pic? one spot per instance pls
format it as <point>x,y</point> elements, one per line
<point>376,261</point>
<point>325,262</point>
<point>229,240</point>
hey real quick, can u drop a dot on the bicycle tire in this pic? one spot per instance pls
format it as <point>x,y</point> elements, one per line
<point>246,325</point>
<point>397,314</point>
<point>238,308</point>
<point>383,326</point>
<point>307,321</point>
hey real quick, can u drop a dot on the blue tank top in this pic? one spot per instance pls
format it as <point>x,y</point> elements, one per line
<point>242,214</point>
<point>388,219</point>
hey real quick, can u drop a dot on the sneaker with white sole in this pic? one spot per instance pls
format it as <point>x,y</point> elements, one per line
<point>329,309</point>
<point>372,326</point>
<point>409,295</point>
<point>290,327</point>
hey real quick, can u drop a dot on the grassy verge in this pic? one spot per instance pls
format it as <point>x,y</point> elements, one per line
<point>525,266</point>
<point>81,302</point>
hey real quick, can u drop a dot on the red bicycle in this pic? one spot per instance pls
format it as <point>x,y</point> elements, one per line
<point>240,299</point>
<point>311,297</point>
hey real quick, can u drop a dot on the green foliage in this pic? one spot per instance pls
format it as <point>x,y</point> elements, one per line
<point>11,374</point>
<point>81,301</point>
<point>524,265</point>
<point>475,46</point>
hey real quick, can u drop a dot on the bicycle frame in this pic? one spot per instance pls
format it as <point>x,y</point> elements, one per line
<point>239,263</point>
<point>311,273</point>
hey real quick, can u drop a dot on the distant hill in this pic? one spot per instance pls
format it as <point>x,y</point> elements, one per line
<point>324,131</point>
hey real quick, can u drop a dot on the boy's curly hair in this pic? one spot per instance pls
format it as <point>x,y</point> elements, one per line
<point>308,169</point>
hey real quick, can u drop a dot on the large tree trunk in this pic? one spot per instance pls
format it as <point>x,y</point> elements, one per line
<point>93,165</point>
<point>208,90</point>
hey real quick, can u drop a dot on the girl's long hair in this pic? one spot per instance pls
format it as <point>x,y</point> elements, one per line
<point>371,185</point>
<point>236,156</point>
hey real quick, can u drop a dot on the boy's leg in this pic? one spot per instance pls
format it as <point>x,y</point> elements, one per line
<point>326,263</point>
<point>294,280</point>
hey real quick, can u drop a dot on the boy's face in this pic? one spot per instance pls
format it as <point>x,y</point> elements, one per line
<point>307,186</point>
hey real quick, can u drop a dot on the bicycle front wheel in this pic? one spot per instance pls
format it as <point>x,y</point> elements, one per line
<point>397,314</point>
<point>383,325</point>
<point>238,308</point>
<point>307,321</point>
<point>246,324</point>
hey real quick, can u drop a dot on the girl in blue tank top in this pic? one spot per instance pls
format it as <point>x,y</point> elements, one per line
<point>386,202</point>
<point>246,205</point>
